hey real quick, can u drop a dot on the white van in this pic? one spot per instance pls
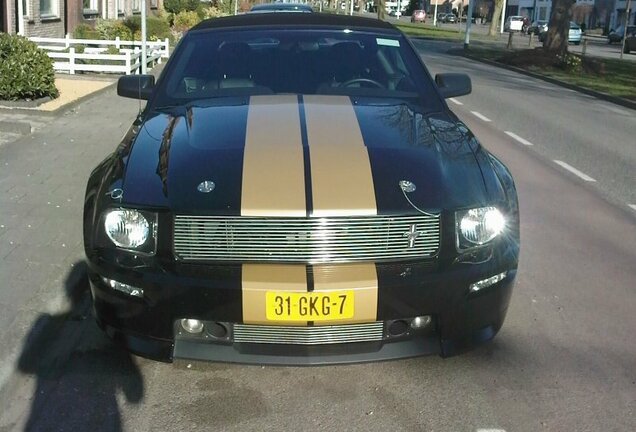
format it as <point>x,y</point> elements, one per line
<point>513,23</point>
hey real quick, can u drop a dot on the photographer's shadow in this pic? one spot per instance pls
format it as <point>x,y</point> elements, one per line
<point>79,372</point>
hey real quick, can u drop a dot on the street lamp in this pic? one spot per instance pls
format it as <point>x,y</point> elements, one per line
<point>144,56</point>
<point>435,14</point>
<point>503,17</point>
<point>627,14</point>
<point>469,20</point>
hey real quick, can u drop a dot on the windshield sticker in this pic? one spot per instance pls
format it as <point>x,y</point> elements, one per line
<point>388,42</point>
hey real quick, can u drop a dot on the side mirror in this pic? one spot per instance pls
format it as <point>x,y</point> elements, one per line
<point>136,86</point>
<point>453,84</point>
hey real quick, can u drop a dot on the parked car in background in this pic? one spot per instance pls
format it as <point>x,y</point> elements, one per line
<point>513,23</point>
<point>418,16</point>
<point>450,18</point>
<point>617,34</point>
<point>538,27</point>
<point>441,17</point>
<point>574,34</point>
<point>630,40</point>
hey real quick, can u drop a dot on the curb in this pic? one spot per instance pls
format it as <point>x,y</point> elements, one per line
<point>25,103</point>
<point>60,110</point>
<point>604,96</point>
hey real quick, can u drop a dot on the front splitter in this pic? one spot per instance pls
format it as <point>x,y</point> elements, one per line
<point>266,354</point>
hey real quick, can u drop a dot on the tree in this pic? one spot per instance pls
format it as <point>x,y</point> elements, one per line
<point>381,10</point>
<point>556,40</point>
<point>494,24</point>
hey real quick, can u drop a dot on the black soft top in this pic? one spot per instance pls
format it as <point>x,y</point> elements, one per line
<point>294,19</point>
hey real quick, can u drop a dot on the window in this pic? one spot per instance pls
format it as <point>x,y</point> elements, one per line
<point>136,5</point>
<point>48,8</point>
<point>327,62</point>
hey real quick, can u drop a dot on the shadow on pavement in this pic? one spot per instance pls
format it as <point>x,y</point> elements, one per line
<point>79,372</point>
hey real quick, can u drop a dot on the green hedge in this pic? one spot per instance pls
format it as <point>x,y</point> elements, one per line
<point>26,72</point>
<point>110,29</point>
<point>176,6</point>
<point>85,31</point>
<point>156,28</point>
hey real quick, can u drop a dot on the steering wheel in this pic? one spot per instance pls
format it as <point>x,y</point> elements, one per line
<point>361,81</point>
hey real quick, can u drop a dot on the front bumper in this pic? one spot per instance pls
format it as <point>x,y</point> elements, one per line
<point>149,326</point>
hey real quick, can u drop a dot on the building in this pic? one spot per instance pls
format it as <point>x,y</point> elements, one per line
<point>617,17</point>
<point>539,10</point>
<point>57,18</point>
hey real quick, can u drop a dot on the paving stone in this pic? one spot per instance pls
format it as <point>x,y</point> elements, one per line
<point>42,182</point>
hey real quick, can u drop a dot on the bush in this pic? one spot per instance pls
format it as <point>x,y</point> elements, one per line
<point>157,28</point>
<point>109,30</point>
<point>212,12</point>
<point>84,31</point>
<point>177,6</point>
<point>184,21</point>
<point>570,62</point>
<point>26,72</point>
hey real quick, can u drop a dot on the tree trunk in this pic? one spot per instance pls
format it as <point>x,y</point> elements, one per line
<point>380,4</point>
<point>494,24</point>
<point>556,40</point>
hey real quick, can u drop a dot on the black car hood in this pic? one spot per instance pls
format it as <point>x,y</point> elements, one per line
<point>178,149</point>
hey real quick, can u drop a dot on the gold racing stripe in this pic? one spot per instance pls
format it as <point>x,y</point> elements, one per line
<point>257,279</point>
<point>341,179</point>
<point>273,164</point>
<point>362,279</point>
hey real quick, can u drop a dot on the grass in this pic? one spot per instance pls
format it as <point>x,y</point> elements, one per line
<point>452,35</point>
<point>431,32</point>
<point>610,76</point>
<point>619,78</point>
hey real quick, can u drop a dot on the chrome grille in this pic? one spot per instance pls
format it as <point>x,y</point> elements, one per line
<point>318,335</point>
<point>305,240</point>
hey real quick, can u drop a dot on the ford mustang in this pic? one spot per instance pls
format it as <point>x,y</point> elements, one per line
<point>297,191</point>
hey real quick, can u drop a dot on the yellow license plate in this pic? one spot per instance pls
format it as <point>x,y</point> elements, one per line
<point>309,306</point>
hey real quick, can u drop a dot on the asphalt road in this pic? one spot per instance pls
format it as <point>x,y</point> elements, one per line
<point>593,136</point>
<point>564,360</point>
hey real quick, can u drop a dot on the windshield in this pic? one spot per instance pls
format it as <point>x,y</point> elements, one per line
<point>230,63</point>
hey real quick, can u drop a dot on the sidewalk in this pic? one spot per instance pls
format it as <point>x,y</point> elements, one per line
<point>42,180</point>
<point>16,121</point>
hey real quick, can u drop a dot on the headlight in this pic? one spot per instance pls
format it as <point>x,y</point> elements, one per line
<point>478,226</point>
<point>130,229</point>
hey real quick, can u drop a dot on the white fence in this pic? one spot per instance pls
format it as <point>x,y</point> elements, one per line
<point>95,59</point>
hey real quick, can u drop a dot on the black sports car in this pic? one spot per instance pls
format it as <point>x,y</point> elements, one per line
<point>297,191</point>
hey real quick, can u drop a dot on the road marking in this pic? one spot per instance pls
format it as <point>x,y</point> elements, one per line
<point>480,116</point>
<point>518,138</point>
<point>574,171</point>
<point>633,206</point>
<point>616,110</point>
<point>455,101</point>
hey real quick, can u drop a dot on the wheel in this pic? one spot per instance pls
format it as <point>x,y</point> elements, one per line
<point>361,81</point>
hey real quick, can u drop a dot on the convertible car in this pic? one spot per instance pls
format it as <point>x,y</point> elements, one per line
<point>297,191</point>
